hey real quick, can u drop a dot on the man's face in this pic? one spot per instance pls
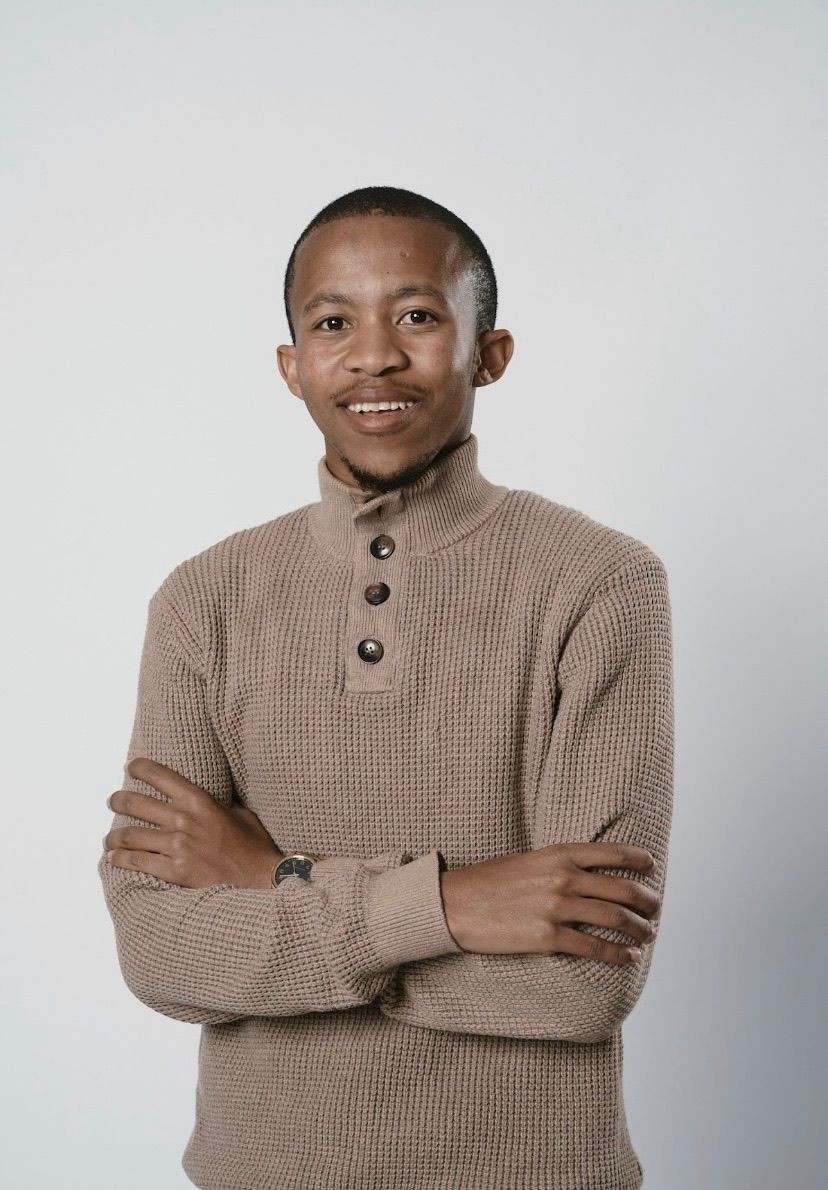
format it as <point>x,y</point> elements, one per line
<point>360,339</point>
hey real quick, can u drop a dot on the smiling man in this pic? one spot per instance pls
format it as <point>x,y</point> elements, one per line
<point>388,404</point>
<point>399,788</point>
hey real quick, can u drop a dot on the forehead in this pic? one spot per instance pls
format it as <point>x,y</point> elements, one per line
<point>365,254</point>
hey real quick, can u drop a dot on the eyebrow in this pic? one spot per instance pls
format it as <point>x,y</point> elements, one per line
<point>404,291</point>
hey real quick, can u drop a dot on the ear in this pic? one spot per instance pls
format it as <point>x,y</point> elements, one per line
<point>494,350</point>
<point>286,363</point>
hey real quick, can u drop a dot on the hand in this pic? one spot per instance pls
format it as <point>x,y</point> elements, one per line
<point>195,842</point>
<point>520,903</point>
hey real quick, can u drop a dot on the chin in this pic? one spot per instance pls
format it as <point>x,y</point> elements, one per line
<point>386,468</point>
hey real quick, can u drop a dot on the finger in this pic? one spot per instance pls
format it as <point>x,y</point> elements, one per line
<point>582,910</point>
<point>611,855</point>
<point>242,810</point>
<point>142,861</point>
<point>137,838</point>
<point>140,805</point>
<point>588,946</point>
<point>615,888</point>
<point>166,780</point>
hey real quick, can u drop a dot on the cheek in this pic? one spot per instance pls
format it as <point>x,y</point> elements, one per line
<point>461,349</point>
<point>315,372</point>
<point>442,356</point>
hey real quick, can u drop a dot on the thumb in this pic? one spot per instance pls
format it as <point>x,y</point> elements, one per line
<point>241,810</point>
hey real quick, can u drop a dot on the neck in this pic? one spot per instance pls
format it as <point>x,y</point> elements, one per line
<point>371,483</point>
<point>445,502</point>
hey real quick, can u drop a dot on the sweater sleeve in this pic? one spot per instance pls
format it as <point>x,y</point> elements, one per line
<point>218,954</point>
<point>607,777</point>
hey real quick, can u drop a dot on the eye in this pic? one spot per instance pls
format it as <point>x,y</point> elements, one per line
<point>420,315</point>
<point>330,318</point>
<point>427,314</point>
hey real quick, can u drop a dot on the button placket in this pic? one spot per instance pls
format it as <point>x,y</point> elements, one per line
<point>371,661</point>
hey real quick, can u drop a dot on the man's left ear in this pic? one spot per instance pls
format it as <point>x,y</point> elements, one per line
<point>494,351</point>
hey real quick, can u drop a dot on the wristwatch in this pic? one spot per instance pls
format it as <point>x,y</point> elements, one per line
<point>293,865</point>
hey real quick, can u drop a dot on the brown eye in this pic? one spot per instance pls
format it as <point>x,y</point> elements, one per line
<point>421,312</point>
<point>331,318</point>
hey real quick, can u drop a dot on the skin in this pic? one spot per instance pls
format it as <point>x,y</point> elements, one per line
<point>425,346</point>
<point>428,347</point>
<point>192,841</point>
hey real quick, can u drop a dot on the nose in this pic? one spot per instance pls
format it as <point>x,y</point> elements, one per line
<point>375,349</point>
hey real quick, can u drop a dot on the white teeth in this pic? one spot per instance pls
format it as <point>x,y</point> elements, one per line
<point>378,406</point>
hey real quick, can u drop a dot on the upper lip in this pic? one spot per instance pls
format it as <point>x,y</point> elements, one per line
<point>378,394</point>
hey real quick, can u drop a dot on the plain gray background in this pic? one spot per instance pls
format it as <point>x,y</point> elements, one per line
<point>650,180</point>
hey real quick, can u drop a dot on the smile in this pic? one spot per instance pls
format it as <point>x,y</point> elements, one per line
<point>380,416</point>
<point>379,406</point>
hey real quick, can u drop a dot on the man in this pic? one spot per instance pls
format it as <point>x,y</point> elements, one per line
<point>400,781</point>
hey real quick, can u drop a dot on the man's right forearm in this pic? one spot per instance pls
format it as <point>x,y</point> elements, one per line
<point>216,954</point>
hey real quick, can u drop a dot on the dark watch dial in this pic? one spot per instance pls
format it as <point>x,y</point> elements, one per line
<point>293,865</point>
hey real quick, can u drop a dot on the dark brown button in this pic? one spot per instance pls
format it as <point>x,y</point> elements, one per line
<point>370,650</point>
<point>377,592</point>
<point>382,546</point>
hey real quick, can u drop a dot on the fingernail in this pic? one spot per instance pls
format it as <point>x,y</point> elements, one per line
<point>635,955</point>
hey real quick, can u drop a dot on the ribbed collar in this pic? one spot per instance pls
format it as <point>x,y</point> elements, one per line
<point>449,500</point>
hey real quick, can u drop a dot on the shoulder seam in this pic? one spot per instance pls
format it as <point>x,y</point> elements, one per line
<point>190,640</point>
<point>648,563</point>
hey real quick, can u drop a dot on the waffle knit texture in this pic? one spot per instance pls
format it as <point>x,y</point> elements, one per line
<point>524,697</point>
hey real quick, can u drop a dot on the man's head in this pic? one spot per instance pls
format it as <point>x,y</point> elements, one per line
<point>390,297</point>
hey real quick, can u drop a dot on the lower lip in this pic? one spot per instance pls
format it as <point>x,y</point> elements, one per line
<point>381,423</point>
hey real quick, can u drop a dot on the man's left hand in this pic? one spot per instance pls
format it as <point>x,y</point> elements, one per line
<point>195,842</point>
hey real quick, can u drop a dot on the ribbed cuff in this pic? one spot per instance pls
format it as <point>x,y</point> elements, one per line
<point>404,916</point>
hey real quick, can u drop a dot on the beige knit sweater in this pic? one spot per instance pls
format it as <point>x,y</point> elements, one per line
<point>524,697</point>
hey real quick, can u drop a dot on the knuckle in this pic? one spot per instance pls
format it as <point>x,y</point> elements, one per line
<point>177,846</point>
<point>621,917</point>
<point>551,937</point>
<point>636,927</point>
<point>595,947</point>
<point>638,855</point>
<point>180,870</point>
<point>559,881</point>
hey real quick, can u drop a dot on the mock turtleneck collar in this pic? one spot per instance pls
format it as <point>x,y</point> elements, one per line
<point>446,502</point>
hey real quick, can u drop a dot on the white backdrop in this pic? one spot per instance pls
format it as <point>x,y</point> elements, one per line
<point>650,180</point>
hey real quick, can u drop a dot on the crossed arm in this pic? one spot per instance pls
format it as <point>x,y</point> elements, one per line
<point>215,954</point>
<point>365,930</point>
<point>608,777</point>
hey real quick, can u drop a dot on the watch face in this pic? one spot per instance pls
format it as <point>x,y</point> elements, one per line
<point>293,865</point>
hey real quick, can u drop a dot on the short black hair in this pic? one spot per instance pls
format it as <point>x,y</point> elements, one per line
<point>391,200</point>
